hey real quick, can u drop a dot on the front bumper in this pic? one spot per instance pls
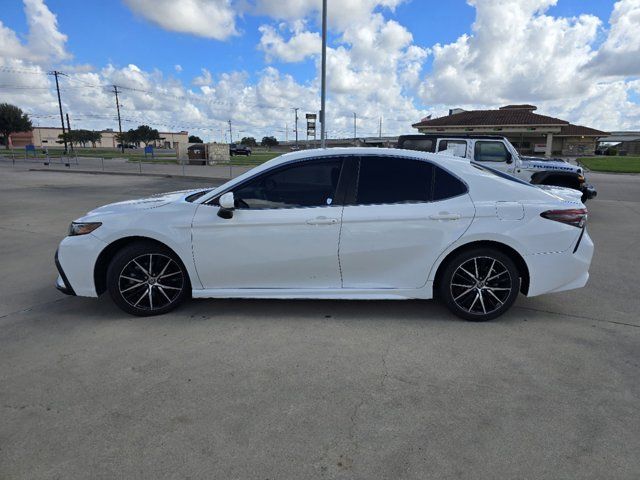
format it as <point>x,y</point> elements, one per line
<point>588,191</point>
<point>75,260</point>
<point>62,283</point>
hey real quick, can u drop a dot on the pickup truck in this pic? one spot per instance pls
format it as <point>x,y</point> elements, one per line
<point>498,153</point>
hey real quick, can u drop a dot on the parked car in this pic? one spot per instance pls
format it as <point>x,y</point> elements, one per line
<point>352,223</point>
<point>499,153</point>
<point>239,149</point>
<point>126,145</point>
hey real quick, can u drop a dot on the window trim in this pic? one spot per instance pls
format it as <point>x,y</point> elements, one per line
<point>339,194</point>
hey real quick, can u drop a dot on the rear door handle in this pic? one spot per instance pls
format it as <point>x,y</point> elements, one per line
<point>322,221</point>
<point>446,216</point>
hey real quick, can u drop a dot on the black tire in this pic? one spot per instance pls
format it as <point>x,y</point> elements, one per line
<point>487,288</point>
<point>147,267</point>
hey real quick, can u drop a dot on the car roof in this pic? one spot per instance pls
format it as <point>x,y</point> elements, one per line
<point>448,162</point>
<point>389,152</point>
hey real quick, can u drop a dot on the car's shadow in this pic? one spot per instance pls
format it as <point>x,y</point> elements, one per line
<point>202,310</point>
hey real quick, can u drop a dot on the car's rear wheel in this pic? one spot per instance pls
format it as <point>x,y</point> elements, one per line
<point>145,278</point>
<point>480,284</point>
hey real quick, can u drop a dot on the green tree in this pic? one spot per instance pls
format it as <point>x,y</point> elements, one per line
<point>269,142</point>
<point>195,139</point>
<point>12,119</point>
<point>130,136</point>
<point>147,134</point>
<point>249,141</point>
<point>94,137</point>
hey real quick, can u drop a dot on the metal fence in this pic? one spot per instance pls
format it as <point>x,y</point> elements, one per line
<point>96,164</point>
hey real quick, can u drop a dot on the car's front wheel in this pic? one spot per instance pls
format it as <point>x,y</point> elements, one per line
<point>479,284</point>
<point>145,278</point>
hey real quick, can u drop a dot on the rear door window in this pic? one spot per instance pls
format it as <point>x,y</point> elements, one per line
<point>389,180</point>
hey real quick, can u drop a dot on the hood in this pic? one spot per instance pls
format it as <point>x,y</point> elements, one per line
<point>563,192</point>
<point>147,203</point>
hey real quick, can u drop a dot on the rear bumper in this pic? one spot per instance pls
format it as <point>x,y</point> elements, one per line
<point>589,191</point>
<point>557,272</point>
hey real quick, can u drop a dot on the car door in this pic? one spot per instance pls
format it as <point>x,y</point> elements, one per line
<point>494,153</point>
<point>283,233</point>
<point>402,214</point>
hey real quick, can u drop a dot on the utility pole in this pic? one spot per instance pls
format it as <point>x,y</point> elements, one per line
<point>323,93</point>
<point>355,128</point>
<point>230,133</point>
<point>296,115</point>
<point>380,128</point>
<point>286,132</point>
<point>55,73</point>
<point>115,90</point>
<point>69,131</point>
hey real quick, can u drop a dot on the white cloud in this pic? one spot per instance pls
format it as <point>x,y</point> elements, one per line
<point>45,43</point>
<point>205,18</point>
<point>204,79</point>
<point>177,68</point>
<point>44,40</point>
<point>620,53</point>
<point>300,45</point>
<point>514,53</point>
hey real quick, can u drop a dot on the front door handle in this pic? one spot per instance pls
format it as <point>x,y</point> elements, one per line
<point>322,221</point>
<point>446,216</point>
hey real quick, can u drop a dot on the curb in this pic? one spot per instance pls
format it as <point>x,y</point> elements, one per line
<point>158,175</point>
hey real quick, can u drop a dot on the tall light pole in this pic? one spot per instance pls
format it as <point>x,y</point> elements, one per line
<point>355,127</point>
<point>296,115</point>
<point>323,92</point>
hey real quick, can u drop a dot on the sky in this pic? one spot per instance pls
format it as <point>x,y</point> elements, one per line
<point>196,64</point>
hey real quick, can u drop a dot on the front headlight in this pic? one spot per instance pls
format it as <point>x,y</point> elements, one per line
<point>82,228</point>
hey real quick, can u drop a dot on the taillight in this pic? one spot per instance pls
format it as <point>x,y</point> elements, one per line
<point>576,217</point>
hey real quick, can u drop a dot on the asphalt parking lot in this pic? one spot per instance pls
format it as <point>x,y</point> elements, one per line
<point>311,389</point>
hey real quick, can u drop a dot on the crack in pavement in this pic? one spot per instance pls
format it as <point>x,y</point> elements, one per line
<point>583,317</point>
<point>385,371</point>
<point>28,309</point>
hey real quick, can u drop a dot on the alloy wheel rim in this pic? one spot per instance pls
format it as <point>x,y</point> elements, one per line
<point>151,281</point>
<point>481,285</point>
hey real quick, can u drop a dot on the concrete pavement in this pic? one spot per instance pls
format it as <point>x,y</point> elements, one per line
<point>310,389</point>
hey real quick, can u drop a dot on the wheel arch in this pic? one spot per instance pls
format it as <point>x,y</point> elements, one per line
<point>103,260</point>
<point>521,265</point>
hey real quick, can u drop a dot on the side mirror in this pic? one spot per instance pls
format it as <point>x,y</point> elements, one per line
<point>227,201</point>
<point>509,158</point>
<point>227,205</point>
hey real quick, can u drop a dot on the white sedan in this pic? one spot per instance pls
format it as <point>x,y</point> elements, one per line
<point>351,223</point>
